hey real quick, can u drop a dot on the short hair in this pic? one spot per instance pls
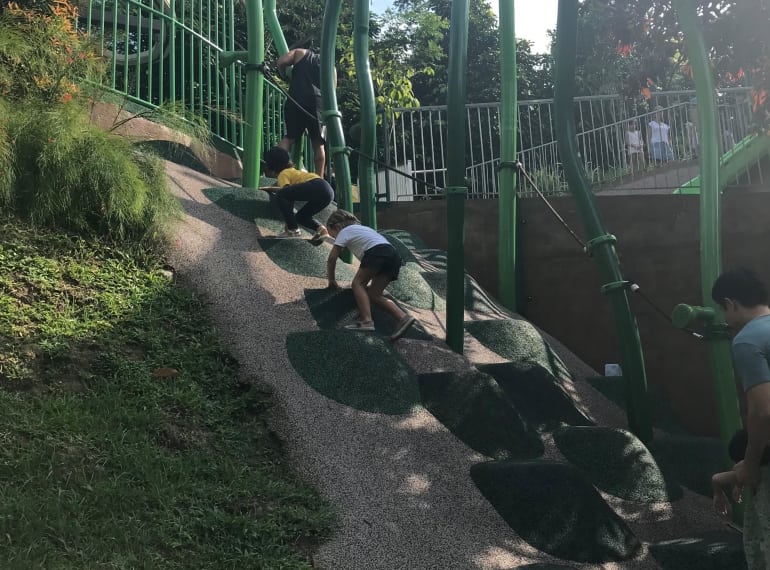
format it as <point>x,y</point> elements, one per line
<point>277,158</point>
<point>741,285</point>
<point>341,217</point>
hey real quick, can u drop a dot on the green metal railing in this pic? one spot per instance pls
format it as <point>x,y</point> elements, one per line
<point>164,53</point>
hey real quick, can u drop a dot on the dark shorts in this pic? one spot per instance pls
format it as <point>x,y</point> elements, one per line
<point>384,259</point>
<point>298,122</point>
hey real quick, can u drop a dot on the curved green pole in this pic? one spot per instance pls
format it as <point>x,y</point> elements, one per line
<point>710,223</point>
<point>455,177</point>
<point>271,18</point>
<point>601,244</point>
<point>331,114</point>
<point>506,247</point>
<point>252,144</point>
<point>368,144</point>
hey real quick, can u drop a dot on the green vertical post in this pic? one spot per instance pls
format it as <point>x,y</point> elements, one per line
<point>506,244</point>
<point>601,244</point>
<point>368,144</point>
<point>172,52</point>
<point>271,19</point>
<point>455,187</point>
<point>252,144</point>
<point>332,116</point>
<point>710,220</point>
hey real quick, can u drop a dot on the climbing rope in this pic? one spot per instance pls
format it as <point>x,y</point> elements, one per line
<point>630,285</point>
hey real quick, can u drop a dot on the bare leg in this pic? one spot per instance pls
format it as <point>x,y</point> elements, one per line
<point>375,291</point>
<point>361,278</point>
<point>286,144</point>
<point>319,153</point>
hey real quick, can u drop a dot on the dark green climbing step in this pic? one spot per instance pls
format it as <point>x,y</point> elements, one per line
<point>358,369</point>
<point>332,309</point>
<point>616,462</point>
<point>476,410</point>
<point>537,394</point>
<point>300,257</point>
<point>554,508</point>
<point>709,551</point>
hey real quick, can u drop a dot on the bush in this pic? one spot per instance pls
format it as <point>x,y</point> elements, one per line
<point>6,160</point>
<point>72,175</point>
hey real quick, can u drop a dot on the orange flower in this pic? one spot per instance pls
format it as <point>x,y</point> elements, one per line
<point>66,98</point>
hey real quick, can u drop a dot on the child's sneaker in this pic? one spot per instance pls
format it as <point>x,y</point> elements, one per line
<point>402,327</point>
<point>320,234</point>
<point>286,234</point>
<point>361,326</point>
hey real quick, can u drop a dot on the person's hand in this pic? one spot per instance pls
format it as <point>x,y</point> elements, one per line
<point>334,286</point>
<point>722,504</point>
<point>748,476</point>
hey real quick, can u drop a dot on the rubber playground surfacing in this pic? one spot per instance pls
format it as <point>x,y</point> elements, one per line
<point>497,460</point>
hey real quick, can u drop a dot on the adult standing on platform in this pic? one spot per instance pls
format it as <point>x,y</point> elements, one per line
<point>305,89</point>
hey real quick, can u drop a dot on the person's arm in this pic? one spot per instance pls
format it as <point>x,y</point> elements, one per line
<point>719,482</point>
<point>291,57</point>
<point>752,368</point>
<point>331,267</point>
<point>758,428</point>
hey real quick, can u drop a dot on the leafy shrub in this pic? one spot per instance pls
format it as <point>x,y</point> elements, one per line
<point>72,175</point>
<point>6,160</point>
<point>43,56</point>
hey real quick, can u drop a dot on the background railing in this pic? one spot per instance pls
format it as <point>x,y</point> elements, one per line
<point>417,137</point>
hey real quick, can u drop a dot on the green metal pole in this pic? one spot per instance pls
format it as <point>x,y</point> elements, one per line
<point>171,52</point>
<point>271,18</point>
<point>368,143</point>
<point>252,146</point>
<point>506,245</point>
<point>710,224</point>
<point>601,244</point>
<point>456,188</point>
<point>331,114</point>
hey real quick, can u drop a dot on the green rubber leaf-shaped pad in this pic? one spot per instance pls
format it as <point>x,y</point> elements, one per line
<point>553,507</point>
<point>718,550</point>
<point>300,257</point>
<point>540,397</point>
<point>616,462</point>
<point>357,369</point>
<point>476,410</point>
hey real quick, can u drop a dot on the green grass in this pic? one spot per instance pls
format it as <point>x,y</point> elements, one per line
<point>104,463</point>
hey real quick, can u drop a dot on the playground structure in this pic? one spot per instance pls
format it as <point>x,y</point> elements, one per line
<point>160,53</point>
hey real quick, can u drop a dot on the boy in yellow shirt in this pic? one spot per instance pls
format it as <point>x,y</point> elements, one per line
<point>295,185</point>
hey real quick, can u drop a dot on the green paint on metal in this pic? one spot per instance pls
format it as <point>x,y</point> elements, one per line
<point>637,407</point>
<point>368,114</point>
<point>331,113</point>
<point>732,163</point>
<point>455,174</point>
<point>333,309</point>
<point>252,147</point>
<point>617,463</point>
<point>476,410</point>
<point>506,246</point>
<point>710,219</point>
<point>554,508</point>
<point>271,18</point>
<point>356,369</point>
<point>539,396</point>
<point>716,550</point>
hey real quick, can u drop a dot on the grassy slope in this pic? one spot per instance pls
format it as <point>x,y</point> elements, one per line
<point>107,459</point>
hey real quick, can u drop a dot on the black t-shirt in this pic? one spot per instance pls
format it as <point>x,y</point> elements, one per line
<point>305,85</point>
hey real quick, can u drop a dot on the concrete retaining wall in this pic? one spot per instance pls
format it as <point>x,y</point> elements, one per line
<point>658,242</point>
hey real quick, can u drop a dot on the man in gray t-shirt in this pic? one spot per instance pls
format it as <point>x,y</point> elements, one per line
<point>744,299</point>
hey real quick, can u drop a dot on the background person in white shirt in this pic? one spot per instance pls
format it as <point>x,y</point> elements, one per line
<point>634,146</point>
<point>658,135</point>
